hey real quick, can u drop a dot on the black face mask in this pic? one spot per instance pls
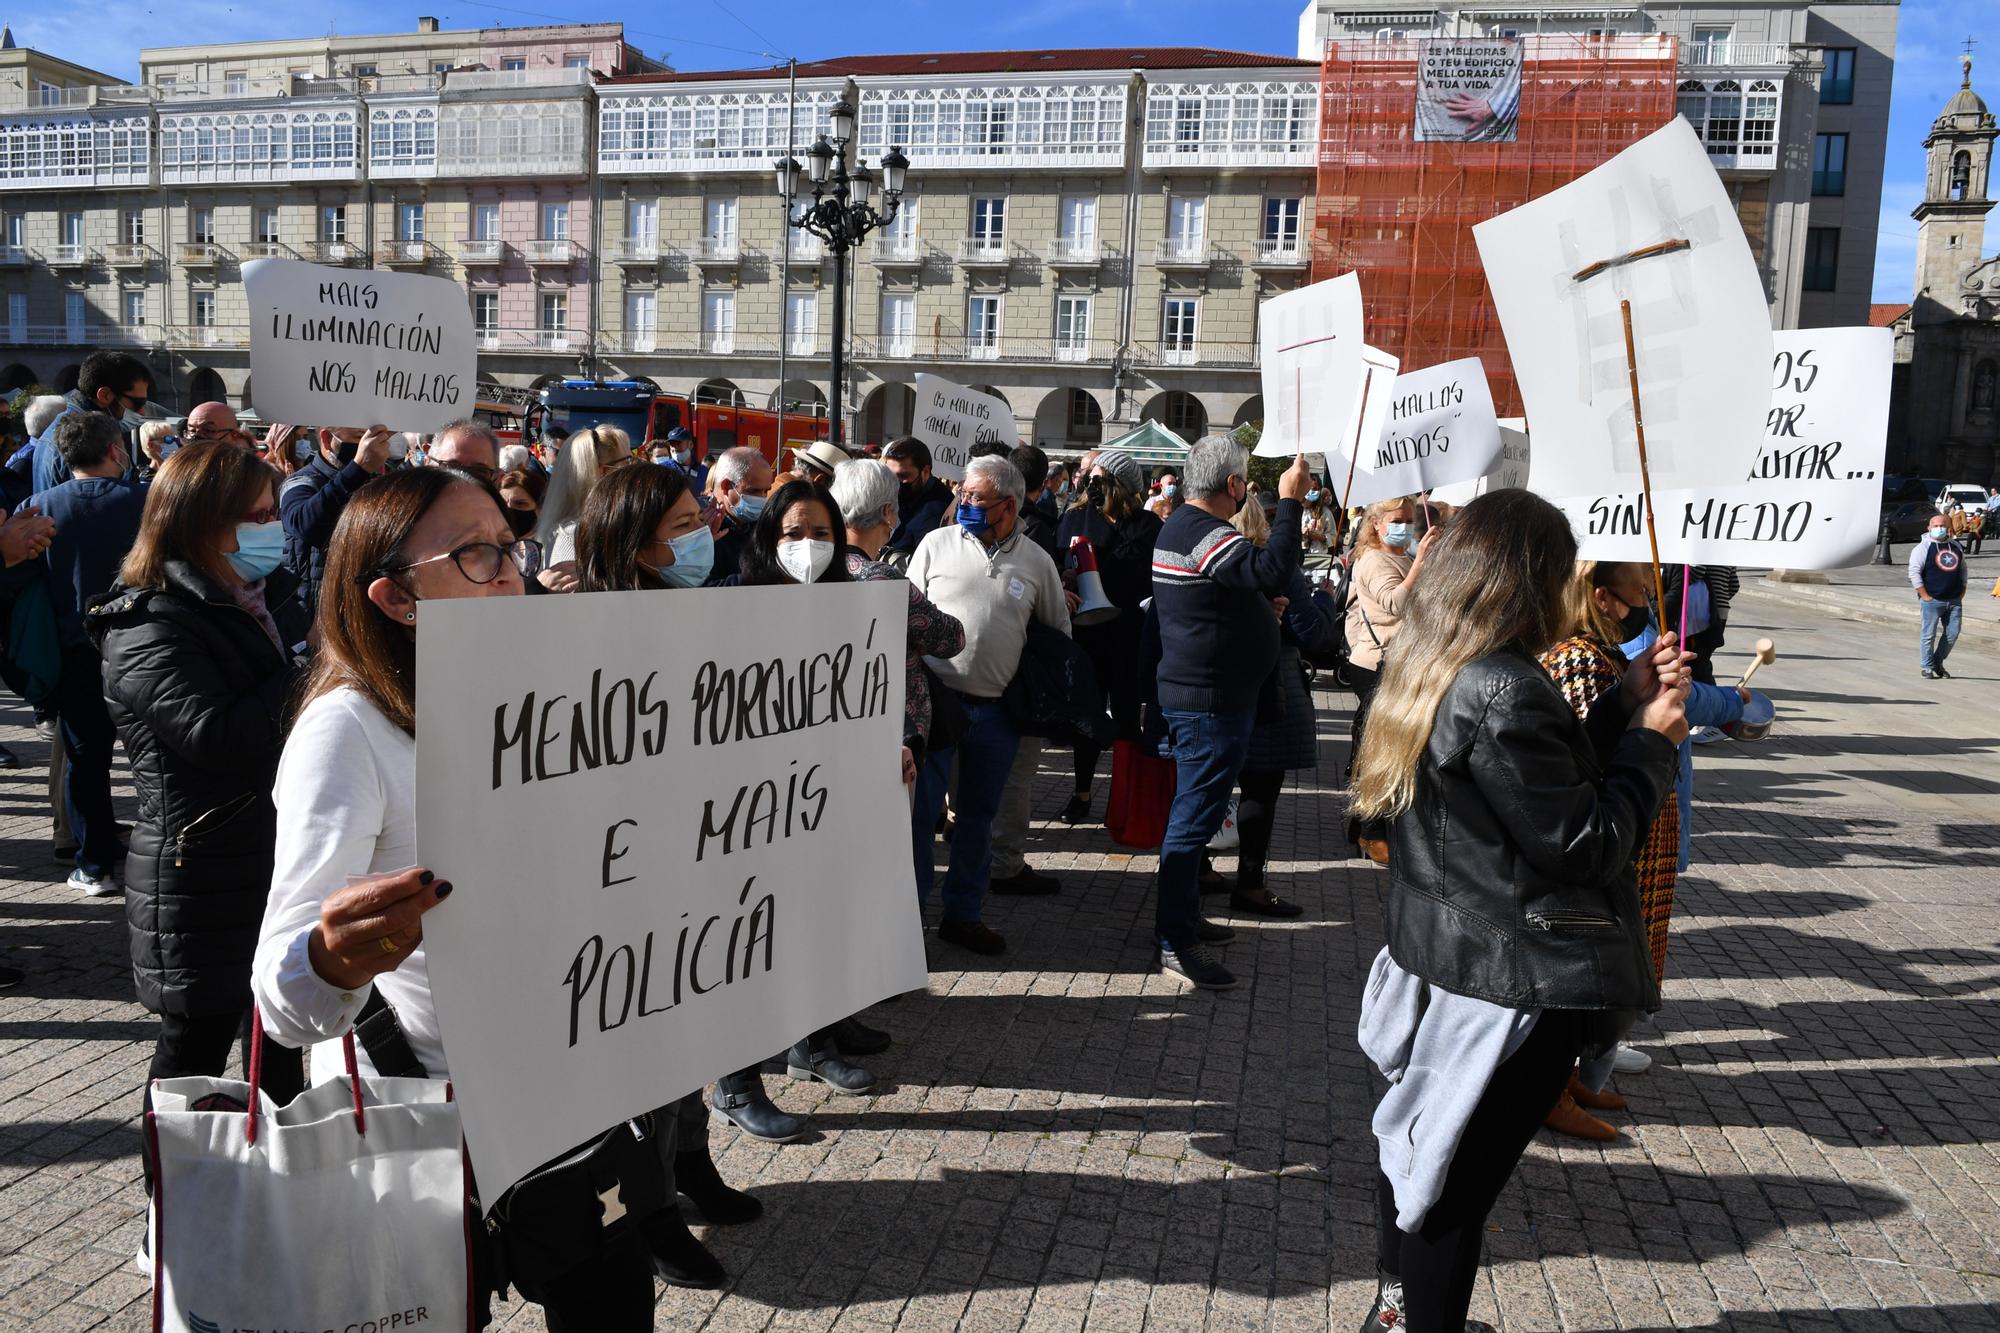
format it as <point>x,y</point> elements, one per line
<point>906,495</point>
<point>1094,494</point>
<point>522,521</point>
<point>345,450</point>
<point>1634,622</point>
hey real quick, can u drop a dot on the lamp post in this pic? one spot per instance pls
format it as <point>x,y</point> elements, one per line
<point>841,212</point>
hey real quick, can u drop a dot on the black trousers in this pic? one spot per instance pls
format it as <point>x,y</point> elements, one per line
<point>612,1293</point>
<point>1363,682</point>
<point>1439,1262</point>
<point>1255,814</point>
<point>1114,655</point>
<point>88,739</point>
<point>191,1045</point>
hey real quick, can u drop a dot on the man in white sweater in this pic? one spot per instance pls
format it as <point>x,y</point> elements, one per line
<point>982,569</point>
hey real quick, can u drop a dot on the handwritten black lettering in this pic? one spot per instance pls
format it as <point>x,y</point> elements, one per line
<point>609,728</point>
<point>613,852</point>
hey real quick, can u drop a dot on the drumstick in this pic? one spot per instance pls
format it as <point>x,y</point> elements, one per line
<point>1766,652</point>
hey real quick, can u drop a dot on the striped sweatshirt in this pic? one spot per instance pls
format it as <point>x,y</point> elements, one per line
<point>1212,589</point>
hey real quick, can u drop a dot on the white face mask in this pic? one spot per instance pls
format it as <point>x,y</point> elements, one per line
<point>805,560</point>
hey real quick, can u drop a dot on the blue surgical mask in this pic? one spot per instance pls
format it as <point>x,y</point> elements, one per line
<point>260,548</point>
<point>972,518</point>
<point>694,560</point>
<point>1400,534</point>
<point>1170,490</point>
<point>1312,497</point>
<point>748,507</point>
<point>1937,534</point>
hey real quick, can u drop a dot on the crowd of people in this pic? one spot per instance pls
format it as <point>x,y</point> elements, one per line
<point>243,614</point>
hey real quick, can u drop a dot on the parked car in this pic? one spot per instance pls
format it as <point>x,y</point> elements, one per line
<point>1964,495</point>
<point>1906,522</point>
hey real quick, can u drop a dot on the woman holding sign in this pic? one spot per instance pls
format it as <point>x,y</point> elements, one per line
<point>1515,945</point>
<point>343,935</point>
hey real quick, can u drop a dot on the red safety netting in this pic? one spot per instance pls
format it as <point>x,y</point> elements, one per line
<point>1401,212</point>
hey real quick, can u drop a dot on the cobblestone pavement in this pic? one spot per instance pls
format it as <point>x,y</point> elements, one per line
<point>1068,1141</point>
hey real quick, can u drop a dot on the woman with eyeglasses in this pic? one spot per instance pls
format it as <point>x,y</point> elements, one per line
<point>589,455</point>
<point>344,926</point>
<point>201,639</point>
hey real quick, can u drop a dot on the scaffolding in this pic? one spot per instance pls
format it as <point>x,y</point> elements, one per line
<point>1401,212</point>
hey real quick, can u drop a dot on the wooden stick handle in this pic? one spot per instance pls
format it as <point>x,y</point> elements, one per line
<point>1645,471</point>
<point>1751,672</point>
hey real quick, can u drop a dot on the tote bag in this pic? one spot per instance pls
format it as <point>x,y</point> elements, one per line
<point>1142,792</point>
<point>348,1208</point>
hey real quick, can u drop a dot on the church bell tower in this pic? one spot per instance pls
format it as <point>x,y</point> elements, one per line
<point>1951,221</point>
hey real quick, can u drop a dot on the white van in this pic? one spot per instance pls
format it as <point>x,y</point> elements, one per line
<point>1961,495</point>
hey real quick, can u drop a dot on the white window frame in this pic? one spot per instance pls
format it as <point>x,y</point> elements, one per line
<point>899,342</point>
<point>1073,316</point>
<point>802,323</point>
<point>553,220</point>
<point>1187,225</point>
<point>642,320</point>
<point>482,215</point>
<point>718,321</point>
<point>983,334</point>
<point>988,222</point>
<point>1180,346</point>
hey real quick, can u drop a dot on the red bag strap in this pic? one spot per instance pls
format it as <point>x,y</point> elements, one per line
<point>256,1072</point>
<point>354,1083</point>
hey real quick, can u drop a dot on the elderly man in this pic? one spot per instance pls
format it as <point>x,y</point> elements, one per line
<point>1212,591</point>
<point>983,570</point>
<point>214,422</point>
<point>312,500</point>
<point>1937,572</point>
<point>468,445</point>
<point>741,482</point>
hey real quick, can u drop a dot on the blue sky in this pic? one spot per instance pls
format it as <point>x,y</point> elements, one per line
<point>720,34</point>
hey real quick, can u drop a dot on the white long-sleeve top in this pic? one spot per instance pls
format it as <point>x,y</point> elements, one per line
<point>346,798</point>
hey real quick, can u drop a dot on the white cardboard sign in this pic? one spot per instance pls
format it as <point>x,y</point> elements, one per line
<point>1309,344</point>
<point>951,418</point>
<point>666,815</point>
<point>1653,226</point>
<point>1810,494</point>
<point>358,347</point>
<point>1440,429</point>
<point>1509,473</point>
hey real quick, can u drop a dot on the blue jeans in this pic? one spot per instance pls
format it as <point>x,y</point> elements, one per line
<point>1208,754</point>
<point>1941,620</point>
<point>985,755</point>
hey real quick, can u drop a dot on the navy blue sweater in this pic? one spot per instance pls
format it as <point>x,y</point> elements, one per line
<point>97,520</point>
<point>1212,588</point>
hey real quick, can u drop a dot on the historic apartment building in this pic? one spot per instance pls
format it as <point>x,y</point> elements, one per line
<point>1086,233</point>
<point>1790,96</point>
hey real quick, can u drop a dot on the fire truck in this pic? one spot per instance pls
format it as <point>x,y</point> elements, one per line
<point>638,408</point>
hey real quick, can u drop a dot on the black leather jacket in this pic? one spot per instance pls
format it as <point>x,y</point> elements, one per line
<point>1511,875</point>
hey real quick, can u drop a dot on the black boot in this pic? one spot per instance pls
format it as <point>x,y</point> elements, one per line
<point>739,1098</point>
<point>816,1059</point>
<point>855,1037</point>
<point>680,1259</point>
<point>702,1187</point>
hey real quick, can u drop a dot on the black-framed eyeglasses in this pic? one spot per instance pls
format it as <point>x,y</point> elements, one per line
<point>480,561</point>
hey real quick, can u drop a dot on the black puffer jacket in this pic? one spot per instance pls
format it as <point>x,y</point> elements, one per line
<point>1511,874</point>
<point>200,694</point>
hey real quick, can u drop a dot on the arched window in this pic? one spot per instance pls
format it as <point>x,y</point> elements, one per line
<point>1961,176</point>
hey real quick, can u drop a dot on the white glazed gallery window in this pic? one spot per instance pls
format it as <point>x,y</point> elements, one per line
<point>899,324</point>
<point>982,328</point>
<point>1179,324</point>
<point>718,322</point>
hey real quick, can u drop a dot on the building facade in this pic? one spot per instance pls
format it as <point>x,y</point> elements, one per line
<point>1086,233</point>
<point>1945,417</point>
<point>1791,99</point>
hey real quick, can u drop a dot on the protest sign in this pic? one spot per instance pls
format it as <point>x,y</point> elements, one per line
<point>1468,90</point>
<point>1509,473</point>
<point>1806,495</point>
<point>358,347</point>
<point>1440,428</point>
<point>1653,227</point>
<point>668,818</point>
<point>1309,344</point>
<point>951,418</point>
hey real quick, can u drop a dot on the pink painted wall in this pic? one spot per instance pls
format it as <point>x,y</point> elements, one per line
<point>521,284</point>
<point>544,48</point>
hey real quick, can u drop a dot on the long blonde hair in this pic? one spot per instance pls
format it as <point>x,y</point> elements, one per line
<point>1497,577</point>
<point>1581,613</point>
<point>1253,522</point>
<point>576,470</point>
<point>1367,538</point>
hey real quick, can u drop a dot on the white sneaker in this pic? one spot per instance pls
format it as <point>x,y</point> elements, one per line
<point>1631,1060</point>
<point>1707,735</point>
<point>95,886</point>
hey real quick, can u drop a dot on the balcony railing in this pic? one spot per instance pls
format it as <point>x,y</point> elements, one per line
<point>719,250</point>
<point>1280,254</point>
<point>130,255</point>
<point>473,80</point>
<point>1008,348</point>
<point>81,335</point>
<point>1201,352</point>
<point>897,250</point>
<point>1077,251</point>
<point>197,254</point>
<point>68,256</point>
<point>529,340</point>
<point>208,335</point>
<point>806,248</point>
<point>547,252</point>
<point>331,252</point>
<point>1710,55</point>
<point>481,252</point>
<point>983,252</point>
<point>1180,252</point>
<point>718,343</point>
<point>267,250</point>
<point>14,256</point>
<point>403,254</point>
<point>632,250</point>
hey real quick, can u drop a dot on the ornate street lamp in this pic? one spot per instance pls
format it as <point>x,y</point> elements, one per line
<point>841,212</point>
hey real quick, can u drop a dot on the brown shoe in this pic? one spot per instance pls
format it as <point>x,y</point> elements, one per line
<point>1594,1101</point>
<point>1571,1119</point>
